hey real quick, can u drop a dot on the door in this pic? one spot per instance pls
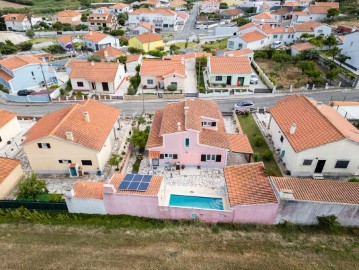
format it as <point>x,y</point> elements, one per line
<point>229,80</point>
<point>73,171</point>
<point>320,166</point>
<point>105,86</point>
<point>240,81</point>
<point>93,85</point>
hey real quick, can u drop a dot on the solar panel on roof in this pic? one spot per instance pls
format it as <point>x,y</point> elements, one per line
<point>135,182</point>
<point>133,185</point>
<point>124,185</point>
<point>128,177</point>
<point>138,177</point>
<point>147,178</point>
<point>143,186</point>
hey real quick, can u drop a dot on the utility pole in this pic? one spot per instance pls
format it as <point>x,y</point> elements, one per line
<point>47,88</point>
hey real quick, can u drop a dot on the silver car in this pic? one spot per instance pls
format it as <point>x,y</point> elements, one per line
<point>244,106</point>
<point>254,79</point>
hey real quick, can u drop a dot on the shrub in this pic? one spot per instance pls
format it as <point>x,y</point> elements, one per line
<point>55,197</point>
<point>260,55</point>
<point>30,33</point>
<point>135,167</point>
<point>328,223</point>
<point>172,87</point>
<point>117,32</point>
<point>94,58</point>
<point>267,155</point>
<point>258,140</point>
<point>25,46</point>
<point>256,156</point>
<point>31,187</point>
<point>54,49</point>
<point>354,179</point>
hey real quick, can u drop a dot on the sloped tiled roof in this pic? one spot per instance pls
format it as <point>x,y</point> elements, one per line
<point>314,126</point>
<point>111,52</point>
<point>14,17</point>
<point>239,143</point>
<point>65,39</point>
<point>247,184</point>
<point>5,76</point>
<point>95,71</point>
<point>154,138</point>
<point>6,117</point>
<point>246,26</point>
<point>232,12</point>
<point>119,6</point>
<point>252,36</point>
<point>18,61</point>
<point>189,55</point>
<point>306,26</point>
<point>7,165</point>
<point>263,15</point>
<point>281,11</point>
<point>88,190</point>
<point>303,46</point>
<point>162,67</point>
<point>290,4</point>
<point>318,9</point>
<point>319,190</point>
<point>301,13</point>
<point>132,58</point>
<point>91,134</point>
<point>68,13</point>
<point>277,29</point>
<point>327,4</point>
<point>242,52</point>
<point>177,3</point>
<point>229,65</point>
<point>95,36</point>
<point>148,37</point>
<point>146,25</point>
<point>162,11</point>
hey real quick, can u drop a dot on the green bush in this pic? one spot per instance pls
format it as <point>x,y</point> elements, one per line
<point>267,155</point>
<point>55,197</point>
<point>260,54</point>
<point>172,87</point>
<point>94,58</point>
<point>354,179</point>
<point>30,33</point>
<point>328,223</point>
<point>258,140</point>
<point>25,46</point>
<point>256,156</point>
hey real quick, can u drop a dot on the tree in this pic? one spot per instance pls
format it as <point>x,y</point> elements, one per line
<point>305,65</point>
<point>281,57</point>
<point>139,138</point>
<point>57,26</point>
<point>30,33</point>
<point>141,120</point>
<point>85,3</point>
<point>317,41</point>
<point>117,33</point>
<point>115,160</point>
<point>334,51</point>
<point>7,47</point>
<point>28,13</point>
<point>84,17</point>
<point>25,46</point>
<point>31,187</point>
<point>342,58</point>
<point>306,36</point>
<point>330,41</point>
<point>242,21</point>
<point>309,55</point>
<point>122,59</point>
<point>333,12</point>
<point>223,5</point>
<point>44,25</point>
<point>332,74</point>
<point>94,58</point>
<point>251,10</point>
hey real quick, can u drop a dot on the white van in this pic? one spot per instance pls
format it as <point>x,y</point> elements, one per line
<point>276,44</point>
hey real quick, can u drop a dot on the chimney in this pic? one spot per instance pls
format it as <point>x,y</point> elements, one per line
<point>286,194</point>
<point>179,126</point>
<point>86,117</point>
<point>69,136</point>
<point>272,26</point>
<point>319,104</point>
<point>92,63</point>
<point>105,53</point>
<point>293,127</point>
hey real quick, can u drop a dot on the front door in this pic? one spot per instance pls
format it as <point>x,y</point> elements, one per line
<point>73,171</point>
<point>105,86</point>
<point>240,81</point>
<point>320,166</point>
<point>229,80</point>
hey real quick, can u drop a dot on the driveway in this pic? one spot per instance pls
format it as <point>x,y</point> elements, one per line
<point>260,85</point>
<point>190,83</point>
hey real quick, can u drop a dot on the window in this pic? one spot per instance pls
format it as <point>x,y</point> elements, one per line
<point>44,145</point>
<point>320,31</point>
<point>351,43</point>
<point>281,138</point>
<point>105,86</point>
<point>86,162</point>
<point>275,36</point>
<point>262,41</point>
<point>149,81</point>
<point>186,142</point>
<point>0,139</point>
<point>80,84</point>
<point>170,156</point>
<point>211,158</point>
<point>32,73</point>
<point>65,161</point>
<point>218,78</point>
<point>230,44</point>
<point>307,162</point>
<point>341,164</point>
<point>174,83</point>
<point>208,124</point>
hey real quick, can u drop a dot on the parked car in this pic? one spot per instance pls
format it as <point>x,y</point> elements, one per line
<point>24,92</point>
<point>276,44</point>
<point>254,79</point>
<point>244,106</point>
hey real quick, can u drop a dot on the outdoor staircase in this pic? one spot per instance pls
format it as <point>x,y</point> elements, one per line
<point>217,204</point>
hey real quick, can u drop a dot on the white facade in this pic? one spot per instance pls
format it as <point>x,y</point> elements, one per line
<point>118,10</point>
<point>9,131</point>
<point>350,48</point>
<point>107,41</point>
<point>210,7</point>
<point>160,21</point>
<point>24,25</point>
<point>139,30</point>
<point>237,43</point>
<point>84,205</point>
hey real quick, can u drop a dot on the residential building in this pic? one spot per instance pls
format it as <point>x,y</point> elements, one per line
<point>228,71</point>
<point>74,140</point>
<point>265,18</point>
<point>9,127</point>
<point>120,8</point>
<point>191,133</point>
<point>188,56</point>
<point>349,48</point>
<point>178,5</point>
<point>142,28</point>
<point>102,18</point>
<point>153,3</point>
<point>132,62</point>
<point>244,52</point>
<point>97,41</point>
<point>66,42</point>
<point>10,174</point>
<point>298,48</point>
<point>182,17</point>
<point>311,27</point>
<point>162,73</point>
<point>146,42</point>
<point>68,16</point>
<point>251,40</point>
<point>19,22</point>
<point>318,12</point>
<point>109,53</point>
<point>161,18</point>
<point>96,77</point>
<point>25,72</point>
<point>210,6</point>
<point>348,109</point>
<point>313,138</point>
<point>231,14</point>
<point>281,14</point>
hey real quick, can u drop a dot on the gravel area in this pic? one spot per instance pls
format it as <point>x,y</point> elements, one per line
<point>229,124</point>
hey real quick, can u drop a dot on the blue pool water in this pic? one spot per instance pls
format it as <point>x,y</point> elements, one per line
<point>196,202</point>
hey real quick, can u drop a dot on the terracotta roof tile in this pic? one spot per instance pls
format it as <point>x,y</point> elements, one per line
<point>263,15</point>
<point>334,191</point>
<point>132,58</point>
<point>110,51</point>
<point>91,134</point>
<point>315,126</point>
<point>148,37</point>
<point>95,71</point>
<point>189,55</point>
<point>232,12</point>
<point>162,11</point>
<point>290,4</point>
<point>242,52</point>
<point>177,3</point>
<point>154,138</point>
<point>154,154</point>
<point>308,26</point>
<point>18,61</point>
<point>276,30</point>
<point>152,190</point>
<point>183,15</point>
<point>68,13</point>
<point>95,36</point>
<point>5,76</point>
<point>246,26</point>
<point>301,13</point>
<point>282,11</point>
<point>252,36</point>
<point>14,17</point>
<point>147,25</point>
<point>318,9</point>
<point>303,46</point>
<point>162,67</point>
<point>65,39</point>
<point>229,65</point>
<point>327,4</point>
<point>7,165</point>
<point>6,117</point>
<point>239,143</point>
<point>119,5</point>
<point>247,184</point>
<point>88,190</point>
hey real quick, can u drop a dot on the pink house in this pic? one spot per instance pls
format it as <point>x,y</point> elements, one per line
<point>192,133</point>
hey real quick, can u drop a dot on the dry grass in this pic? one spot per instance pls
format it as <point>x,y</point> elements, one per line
<point>4,4</point>
<point>29,246</point>
<point>352,23</point>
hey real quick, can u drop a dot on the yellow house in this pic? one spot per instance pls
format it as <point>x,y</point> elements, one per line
<point>76,139</point>
<point>146,42</point>
<point>10,173</point>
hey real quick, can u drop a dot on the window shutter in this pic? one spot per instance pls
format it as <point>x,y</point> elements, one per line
<point>162,156</point>
<point>213,124</point>
<point>218,158</point>
<point>175,156</point>
<point>203,157</point>
<point>39,145</point>
<point>48,145</point>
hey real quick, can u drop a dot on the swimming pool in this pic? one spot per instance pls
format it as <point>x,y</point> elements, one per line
<point>196,202</point>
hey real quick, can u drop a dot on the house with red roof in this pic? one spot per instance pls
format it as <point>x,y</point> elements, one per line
<point>19,22</point>
<point>161,18</point>
<point>96,41</point>
<point>102,18</point>
<point>298,48</point>
<point>9,127</point>
<point>265,18</point>
<point>72,17</point>
<point>243,52</point>
<point>142,28</point>
<point>74,140</point>
<point>120,8</point>
<point>10,174</point>
<point>317,12</point>
<point>313,139</point>
<point>109,53</point>
<point>67,41</point>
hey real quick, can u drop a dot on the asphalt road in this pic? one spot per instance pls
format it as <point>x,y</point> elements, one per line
<point>226,104</point>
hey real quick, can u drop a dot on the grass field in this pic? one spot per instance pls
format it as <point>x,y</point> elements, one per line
<point>43,39</point>
<point>5,4</point>
<point>250,128</point>
<point>220,44</point>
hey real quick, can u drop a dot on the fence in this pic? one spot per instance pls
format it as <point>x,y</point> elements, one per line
<point>32,205</point>
<point>263,76</point>
<point>28,99</point>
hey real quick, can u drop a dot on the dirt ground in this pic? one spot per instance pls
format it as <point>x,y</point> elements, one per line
<point>26,246</point>
<point>4,4</point>
<point>353,23</point>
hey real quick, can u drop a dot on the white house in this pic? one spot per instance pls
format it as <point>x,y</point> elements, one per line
<point>210,6</point>
<point>244,52</point>
<point>19,22</point>
<point>67,41</point>
<point>252,40</point>
<point>265,18</point>
<point>161,18</point>
<point>120,8</point>
<point>313,138</point>
<point>298,48</point>
<point>182,17</point>
<point>318,12</point>
<point>132,62</point>
<point>102,18</point>
<point>98,40</point>
<point>9,127</point>
<point>96,77</point>
<point>350,48</point>
<point>142,28</point>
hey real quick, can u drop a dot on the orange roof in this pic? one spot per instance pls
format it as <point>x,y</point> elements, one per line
<point>247,184</point>
<point>162,11</point>
<point>242,52</point>
<point>5,76</point>
<point>306,26</point>
<point>147,25</point>
<point>152,189</point>
<point>177,3</point>
<point>281,11</point>
<point>154,138</point>
<point>239,143</point>
<point>119,5</point>
<point>154,154</point>
<point>7,165</point>
<point>232,12</point>
<point>65,39</point>
<point>88,190</point>
<point>344,103</point>
<point>6,117</point>
<point>104,18</point>
<point>91,134</point>
<point>148,37</point>
<point>229,65</point>
<point>327,4</point>
<point>95,71</point>
<point>189,55</point>
<point>14,17</point>
<point>15,62</point>
<point>133,58</point>
<point>111,52</point>
<point>319,190</point>
<point>252,36</point>
<point>68,13</point>
<point>183,15</point>
<point>162,68</point>
<point>303,46</point>
<point>315,126</point>
<point>318,10</point>
<point>277,29</point>
<point>246,26</point>
<point>291,4</point>
<point>301,13</point>
<point>95,36</point>
<point>263,15</point>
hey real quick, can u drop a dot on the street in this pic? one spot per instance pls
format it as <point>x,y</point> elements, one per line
<point>225,104</point>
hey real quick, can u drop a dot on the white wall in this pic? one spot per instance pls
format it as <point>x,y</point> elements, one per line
<point>135,19</point>
<point>10,130</point>
<point>86,206</point>
<point>351,48</point>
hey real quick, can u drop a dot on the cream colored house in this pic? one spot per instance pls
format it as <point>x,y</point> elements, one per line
<point>76,139</point>
<point>9,127</point>
<point>10,173</point>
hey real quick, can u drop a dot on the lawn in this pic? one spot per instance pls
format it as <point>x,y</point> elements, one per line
<point>42,39</point>
<point>182,44</point>
<point>220,44</point>
<point>249,127</point>
<point>122,242</point>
